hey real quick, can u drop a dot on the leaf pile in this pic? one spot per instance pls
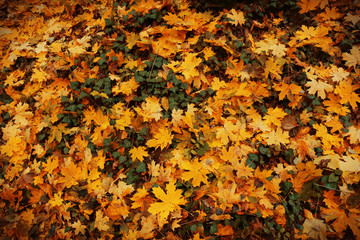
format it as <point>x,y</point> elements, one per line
<point>169,119</point>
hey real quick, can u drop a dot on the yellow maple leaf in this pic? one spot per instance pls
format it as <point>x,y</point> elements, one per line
<point>315,228</point>
<point>162,138</point>
<point>129,87</point>
<point>305,172</point>
<point>101,221</point>
<point>170,200</point>
<point>79,228</point>
<point>346,91</point>
<point>353,58</point>
<point>56,200</point>
<point>188,67</point>
<point>328,140</point>
<point>237,17</point>
<point>227,133</point>
<point>277,137</point>
<point>39,75</point>
<point>350,164</point>
<point>196,171</point>
<point>318,87</point>
<point>287,89</point>
<point>177,117</point>
<point>354,135</point>
<point>138,153</point>
<point>13,146</point>
<point>274,116</point>
<point>22,115</point>
<point>131,39</point>
<point>273,66</point>
<point>338,74</point>
<point>150,109</point>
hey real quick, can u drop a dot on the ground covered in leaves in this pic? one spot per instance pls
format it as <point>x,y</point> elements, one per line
<point>179,120</point>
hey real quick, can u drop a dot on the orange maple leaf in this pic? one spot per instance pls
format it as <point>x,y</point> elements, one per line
<point>308,5</point>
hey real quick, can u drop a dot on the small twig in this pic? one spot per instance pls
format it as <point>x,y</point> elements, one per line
<point>152,67</point>
<point>319,185</point>
<point>317,206</point>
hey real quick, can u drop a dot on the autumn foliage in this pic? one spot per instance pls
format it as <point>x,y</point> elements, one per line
<point>178,119</point>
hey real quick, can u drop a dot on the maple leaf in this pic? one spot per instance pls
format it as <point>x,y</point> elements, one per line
<point>141,198</point>
<point>131,39</point>
<point>22,115</point>
<point>208,52</point>
<point>151,109</point>
<point>177,117</point>
<point>318,87</point>
<point>71,173</point>
<point>79,228</point>
<point>117,210</point>
<point>217,84</point>
<point>346,91</point>
<point>162,138</point>
<point>13,146</point>
<point>56,200</point>
<point>237,17</point>
<point>287,89</point>
<point>170,200</point>
<point>315,228</point>
<point>126,88</point>
<point>308,5</point>
<point>354,19</point>
<point>227,132</point>
<point>350,164</point>
<point>51,164</point>
<point>338,74</point>
<point>196,171</point>
<point>306,172</point>
<point>342,220</point>
<point>39,75</point>
<point>327,139</point>
<point>274,116</point>
<point>333,105</point>
<point>277,137</point>
<point>226,195</point>
<point>138,153</point>
<point>101,221</point>
<point>354,135</point>
<point>270,44</point>
<point>353,58</point>
<point>188,67</point>
<point>273,66</point>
